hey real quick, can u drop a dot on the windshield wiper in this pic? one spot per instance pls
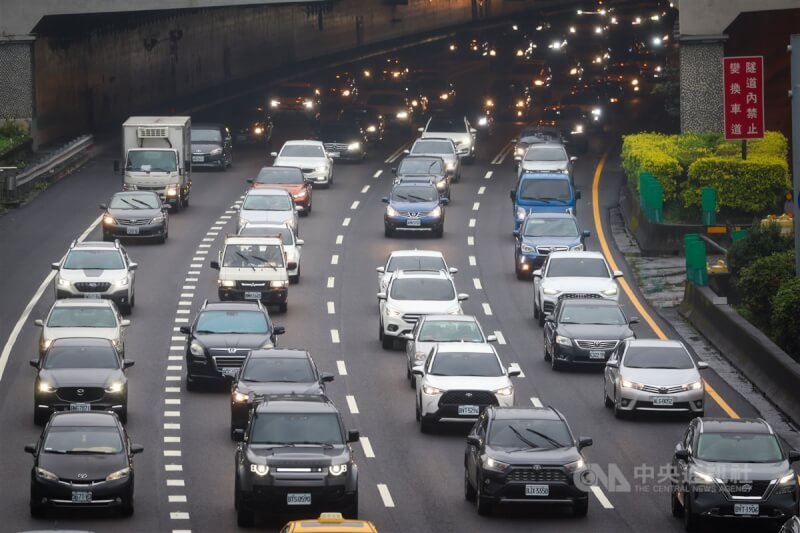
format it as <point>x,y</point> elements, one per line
<point>420,198</point>
<point>62,452</point>
<point>325,445</point>
<point>521,437</point>
<point>148,206</point>
<point>249,263</point>
<point>267,262</point>
<point>130,204</point>
<point>545,437</point>
<point>206,332</point>
<point>400,197</point>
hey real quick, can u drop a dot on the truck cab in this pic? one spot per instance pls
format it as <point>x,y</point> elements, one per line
<point>543,192</point>
<point>254,268</point>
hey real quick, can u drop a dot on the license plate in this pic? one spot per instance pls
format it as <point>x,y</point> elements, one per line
<point>413,222</point>
<point>468,410</point>
<point>230,372</point>
<point>662,400</point>
<point>92,295</point>
<point>252,295</point>
<point>537,490</point>
<point>80,407</point>
<point>80,496</point>
<point>747,509</point>
<point>597,354</point>
<point>335,154</point>
<point>298,499</point>
<point>133,231</point>
<point>197,159</point>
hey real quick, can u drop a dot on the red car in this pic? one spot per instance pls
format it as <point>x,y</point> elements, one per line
<point>288,178</point>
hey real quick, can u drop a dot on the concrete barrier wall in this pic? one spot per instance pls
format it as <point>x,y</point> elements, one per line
<point>116,71</point>
<point>768,367</point>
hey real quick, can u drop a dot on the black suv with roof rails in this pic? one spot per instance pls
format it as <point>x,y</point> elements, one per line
<point>295,455</point>
<point>222,335</point>
<point>733,468</point>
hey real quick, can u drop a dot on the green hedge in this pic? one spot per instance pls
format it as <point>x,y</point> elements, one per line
<point>760,241</point>
<point>786,317</point>
<point>759,282</point>
<point>651,152</point>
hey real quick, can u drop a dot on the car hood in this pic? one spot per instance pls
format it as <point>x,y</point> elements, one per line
<point>448,158</point>
<point>569,284</point>
<point>551,457</point>
<point>552,241</point>
<point>458,137</point>
<point>95,467</point>
<point>233,340</point>
<point>204,146</point>
<point>594,331</point>
<point>279,388</point>
<point>135,214</point>
<point>743,471</point>
<point>434,177</point>
<point>91,333</point>
<point>87,377</point>
<point>415,207</point>
<point>428,307</point>
<point>299,455</point>
<point>92,274</point>
<point>258,216</point>
<point>660,377</point>
<point>546,166</point>
<point>301,162</point>
<point>467,382</point>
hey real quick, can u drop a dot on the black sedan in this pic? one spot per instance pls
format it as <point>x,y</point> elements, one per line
<point>584,332</point>
<point>82,460</point>
<point>212,146</point>
<point>80,374</point>
<point>344,140</point>
<point>135,215</point>
<point>273,372</point>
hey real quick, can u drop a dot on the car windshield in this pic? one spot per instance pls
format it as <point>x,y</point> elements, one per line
<point>254,230</point>
<point>82,440</point>
<point>278,369</point>
<point>413,165</point>
<point>532,136</point>
<point>466,364</point>
<point>267,202</point>
<point>152,161</point>
<point>433,147</point>
<point>577,267</point>
<point>657,357</point>
<point>359,115</point>
<point>387,100</point>
<point>296,428</point>
<point>405,262</point>
<point>550,227</point>
<point>82,317</point>
<point>436,289</point>
<point>94,259</point>
<point>546,153</point>
<point>80,357</point>
<point>210,322</point>
<point>206,135</point>
<point>444,124</point>
<point>529,433</point>
<point>252,256</point>
<point>414,194</point>
<point>605,315</point>
<point>563,114</point>
<point>284,175</point>
<point>134,201</point>
<point>545,189</point>
<point>302,150</point>
<point>738,448</point>
<point>450,331</point>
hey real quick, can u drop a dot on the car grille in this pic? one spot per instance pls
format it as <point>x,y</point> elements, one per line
<point>411,318</point>
<point>550,475</point>
<point>228,361</point>
<point>145,188</point>
<point>335,147</point>
<point>757,488</point>
<point>92,286</point>
<point>307,170</point>
<point>465,397</point>
<point>133,221</point>
<point>677,406</point>
<point>580,295</point>
<point>597,345</point>
<point>662,390</point>
<point>544,250</point>
<point>251,284</point>
<point>88,394</point>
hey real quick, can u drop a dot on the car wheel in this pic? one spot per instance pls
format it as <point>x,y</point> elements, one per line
<point>689,519</point>
<point>606,400</point>
<point>677,508</point>
<point>126,509</point>
<point>418,414</point>
<point>541,318</point>
<point>469,491</point>
<point>387,342</point>
<point>283,307</point>
<point>133,301</point>
<point>535,310</point>
<point>580,507</point>
<point>546,352</point>
<point>617,411</point>
<point>191,384</point>
<point>483,505</point>
<point>555,364</point>
<point>40,416</point>
<point>439,233</point>
<point>185,201</point>
<point>37,509</point>
<point>296,278</point>
<point>245,518</point>
<point>424,425</point>
<point>161,239</point>
<point>308,209</point>
<point>176,207</point>
<point>387,231</point>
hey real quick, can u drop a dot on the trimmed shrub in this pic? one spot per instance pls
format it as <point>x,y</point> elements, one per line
<point>774,144</point>
<point>651,152</point>
<point>760,241</point>
<point>760,281</point>
<point>786,317</point>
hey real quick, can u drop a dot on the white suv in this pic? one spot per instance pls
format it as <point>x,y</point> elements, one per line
<point>458,381</point>
<point>77,317</point>
<point>308,156</point>
<point>411,260</point>
<point>291,244</point>
<point>97,270</point>
<point>411,294</point>
<point>572,275</point>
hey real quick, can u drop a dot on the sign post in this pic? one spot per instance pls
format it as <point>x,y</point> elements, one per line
<point>743,95</point>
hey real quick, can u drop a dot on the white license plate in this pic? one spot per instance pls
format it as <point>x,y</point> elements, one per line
<point>747,509</point>
<point>252,295</point>
<point>132,231</point>
<point>80,407</point>
<point>230,372</point>
<point>298,499</point>
<point>335,154</point>
<point>537,490</point>
<point>662,400</point>
<point>197,159</point>
<point>413,222</point>
<point>92,295</point>
<point>597,354</point>
<point>80,496</point>
<point>469,410</point>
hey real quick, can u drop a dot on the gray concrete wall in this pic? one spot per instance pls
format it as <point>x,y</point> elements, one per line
<point>701,86</point>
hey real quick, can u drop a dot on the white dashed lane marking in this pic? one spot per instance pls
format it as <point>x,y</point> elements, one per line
<point>487,310</point>
<point>537,402</point>
<point>176,498</point>
<point>472,222</point>
<point>175,483</point>
<point>351,404</point>
<point>385,495</point>
<point>339,239</point>
<point>477,283</point>
<point>335,336</point>
<point>470,241</point>
<point>598,493</point>
<point>377,174</point>
<point>500,338</point>
<point>346,221</point>
<point>476,206</point>
<point>354,205</point>
<point>472,261</point>
<point>364,189</point>
<point>481,190</point>
<point>334,259</point>
<point>331,308</point>
<point>367,447</point>
<point>341,367</point>
<point>488,174</point>
<point>331,281</point>
<point>175,515</point>
<point>172,426</point>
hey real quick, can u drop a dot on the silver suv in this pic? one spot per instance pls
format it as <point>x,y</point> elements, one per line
<point>79,317</point>
<point>97,270</point>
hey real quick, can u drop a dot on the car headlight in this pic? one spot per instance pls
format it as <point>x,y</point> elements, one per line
<point>391,312</point>
<point>578,129</point>
<point>489,103</point>
<point>505,391</point>
<point>494,464</point>
<point>45,474</point>
<point>276,284</point>
<point>787,484</point>
<point>520,151</point>
<point>597,111</point>
<point>564,341</point>
<point>242,222</point>
<point>441,184</point>
<point>436,212</point>
<point>346,92</point>
<point>117,386</point>
<point>538,83</point>
<point>611,291</point>
<point>634,82</point>
<point>402,115</point>
<point>63,282</point>
<point>46,343</point>
<point>119,474</point>
<point>695,385</point>
<point>321,168</point>
<point>226,282</point>
<point>450,165</point>
<point>550,292</point>
<point>391,211</point>
<point>575,466</point>
<point>521,213</point>
<point>46,387</point>
<point>444,96</point>
<point>354,146</point>
<point>372,129</point>
<point>274,103</point>
<point>577,248</point>
<point>216,151</point>
<point>308,104</point>
<point>301,194</point>
<point>520,103</point>
<point>239,397</point>
<point>172,190</point>
<point>628,384</point>
<point>482,121</point>
<point>337,470</point>
<point>157,220</point>
<point>527,248</point>
<point>109,220</point>
<point>122,282</point>
<point>431,391</point>
<point>260,470</point>
<point>258,130</point>
<point>702,477</point>
<point>419,356</point>
<point>197,349</point>
<point>414,103</point>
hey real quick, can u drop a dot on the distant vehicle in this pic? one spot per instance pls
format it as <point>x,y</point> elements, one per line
<point>345,141</point>
<point>548,158</point>
<point>252,124</point>
<point>543,192</point>
<point>135,215</point>
<point>394,106</point>
<point>295,97</point>
<point>308,156</point>
<point>76,317</point>
<point>443,147</point>
<point>212,146</point>
<point>456,128</point>
<point>509,99</point>
<point>573,123</point>
<point>290,179</point>
<point>533,135</point>
<point>542,233</point>
<point>368,118</point>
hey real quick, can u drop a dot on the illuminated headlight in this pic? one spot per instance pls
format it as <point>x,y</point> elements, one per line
<point>637,20</point>
<point>520,151</point>
<point>788,478</point>
<point>613,20</point>
<point>274,103</point>
<point>493,52</point>
<point>277,284</point>
<point>45,474</point>
<point>482,121</point>
<point>122,282</point>
<point>634,82</point>
<point>371,129</point>
<point>431,391</point>
<point>538,83</point>
<point>573,71</point>
<point>597,111</point>
<point>157,220</point>
<point>572,29</point>
<point>119,474</point>
<point>172,190</point>
<point>578,128</point>
<point>555,45</point>
<point>436,212</point>
<point>505,391</point>
<point>259,470</point>
<point>574,467</point>
<point>520,53</point>
<point>549,291</point>
<point>520,103</point>
<point>627,384</point>
<point>521,213</point>
<point>414,103</point>
<point>321,168</point>
<point>494,464</point>
<point>197,349</point>
<point>239,397</point>
<point>577,248</point>
<point>109,220</point>
<point>419,356</point>
<point>391,211</point>
<point>564,341</point>
<point>598,29</point>
<point>452,48</point>
<point>46,387</point>
<point>444,96</point>
<point>402,115</point>
<point>441,185</point>
<point>611,291</point>
<point>301,194</point>
<point>337,470</point>
<point>490,103</point>
<point>117,386</point>
<point>258,130</point>
<point>354,146</point>
<point>654,17</point>
<point>63,282</point>
<point>656,41</point>
<point>346,92</point>
<point>226,283</point>
<point>450,165</point>
<point>308,104</point>
<point>696,385</point>
<point>216,151</point>
<point>392,313</point>
<point>46,343</point>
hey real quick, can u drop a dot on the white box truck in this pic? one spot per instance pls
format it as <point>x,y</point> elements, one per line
<point>156,155</point>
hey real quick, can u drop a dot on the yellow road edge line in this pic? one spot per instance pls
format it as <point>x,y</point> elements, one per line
<point>601,237</point>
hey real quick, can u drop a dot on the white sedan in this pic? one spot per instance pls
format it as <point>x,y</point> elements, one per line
<point>308,156</point>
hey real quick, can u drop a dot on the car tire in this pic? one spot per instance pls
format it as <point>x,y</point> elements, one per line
<point>555,364</point>
<point>351,511</point>
<point>547,355</point>
<point>424,425</point>
<point>690,521</point>
<point>617,411</point>
<point>126,509</point>
<point>520,275</point>
<point>387,231</point>
<point>191,384</point>
<point>133,301</point>
<point>308,209</point>
<point>483,505</point>
<point>283,307</point>
<point>295,279</point>
<point>677,508</point>
<point>185,201</point>
<point>40,416</point>
<point>245,518</point>
<point>161,239</point>
<point>176,207</point>
<point>606,400</point>
<point>37,509</point>
<point>535,310</point>
<point>469,490</point>
<point>123,415</point>
<point>541,318</point>
<point>387,342</point>
<point>439,233</point>
<point>107,238</point>
<point>580,507</point>
<point>418,414</point>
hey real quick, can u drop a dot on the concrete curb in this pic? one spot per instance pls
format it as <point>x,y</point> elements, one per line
<point>766,366</point>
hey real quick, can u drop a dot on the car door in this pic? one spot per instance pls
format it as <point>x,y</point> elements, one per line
<point>411,345</point>
<point>550,327</point>
<point>474,452</point>
<point>611,373</point>
<point>680,468</point>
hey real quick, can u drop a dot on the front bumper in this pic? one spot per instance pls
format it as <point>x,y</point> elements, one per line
<point>432,410</point>
<point>208,160</point>
<point>682,402</point>
<point>394,326</point>
<point>497,487</point>
<point>777,507</point>
<point>272,491</point>
<point>120,231</point>
<point>527,263</point>
<point>120,296</point>
<point>206,368</point>
<point>426,223</point>
<point>51,402</point>
<point>317,176</point>
<point>103,493</point>
<point>576,355</point>
<point>267,295</point>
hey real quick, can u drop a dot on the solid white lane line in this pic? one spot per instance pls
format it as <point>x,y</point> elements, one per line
<point>385,495</point>
<point>341,367</point>
<point>335,336</point>
<point>377,174</point>
<point>500,338</point>
<point>364,189</point>
<point>351,404</point>
<point>472,222</point>
<point>365,444</point>
<point>334,259</point>
<point>476,206</point>
<point>470,241</point>
<point>488,175</point>
<point>331,308</point>
<point>537,402</point>
<point>516,366</point>
<point>354,205</point>
<point>175,483</point>
<point>487,310</point>
<point>598,493</point>
<point>339,239</point>
<point>331,281</point>
<point>346,221</point>
<point>481,190</point>
<point>477,283</point>
<point>472,261</point>
<point>176,498</point>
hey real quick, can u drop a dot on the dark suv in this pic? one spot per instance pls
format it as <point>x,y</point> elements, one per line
<point>222,335</point>
<point>733,468</point>
<point>295,455</point>
<point>524,455</point>
<point>212,146</point>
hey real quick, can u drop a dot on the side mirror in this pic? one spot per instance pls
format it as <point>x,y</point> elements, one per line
<point>124,323</point>
<point>473,131</point>
<point>633,320</point>
<point>512,194</point>
<point>186,330</point>
<point>453,270</point>
<point>38,322</point>
<point>794,455</point>
<point>236,207</point>
<point>250,180</point>
<point>515,233</point>
<point>577,195</point>
<point>385,199</point>
<point>702,365</point>
<point>381,296</point>
<point>514,372</point>
<point>273,154</point>
<point>444,201</point>
<point>55,266</point>
<point>491,338</point>
<point>299,242</point>
<point>613,363</point>
<point>353,435</point>
<point>133,266</point>
<point>116,165</point>
<point>418,371</point>
<point>537,273</point>
<point>473,440</point>
<point>584,442</point>
<point>420,130</point>
<point>586,233</point>
<point>325,377</point>
<point>136,448</point>
<point>215,265</point>
<point>394,170</point>
<point>618,274</point>
<point>31,448</point>
<point>463,296</point>
<point>238,435</point>
<point>573,158</point>
<point>127,364</point>
<point>34,363</point>
<point>548,318</point>
<point>380,270</point>
<point>682,455</point>
<point>278,330</point>
<point>103,207</point>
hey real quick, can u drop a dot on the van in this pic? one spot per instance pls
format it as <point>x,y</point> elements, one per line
<point>543,192</point>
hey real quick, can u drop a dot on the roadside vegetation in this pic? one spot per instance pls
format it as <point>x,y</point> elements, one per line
<point>11,135</point>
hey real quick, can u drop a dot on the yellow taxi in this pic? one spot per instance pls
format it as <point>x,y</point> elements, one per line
<point>330,523</point>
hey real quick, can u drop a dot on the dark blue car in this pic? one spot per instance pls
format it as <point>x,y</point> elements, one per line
<point>414,207</point>
<point>542,233</point>
<point>538,192</point>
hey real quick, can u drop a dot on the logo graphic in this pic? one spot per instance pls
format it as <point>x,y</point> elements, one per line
<point>82,476</point>
<point>231,350</point>
<point>80,392</point>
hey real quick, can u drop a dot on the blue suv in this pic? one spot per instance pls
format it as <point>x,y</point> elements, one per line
<point>542,233</point>
<point>414,206</point>
<point>543,192</point>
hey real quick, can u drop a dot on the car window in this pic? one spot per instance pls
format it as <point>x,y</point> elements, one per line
<point>444,124</point>
<point>544,434</point>
<point>465,364</point>
<point>578,267</point>
<point>83,440</point>
<point>206,135</point>
<point>413,165</point>
<point>82,317</point>
<point>422,262</point>
<point>738,448</point>
<point>282,175</point>
<point>545,189</point>
<point>414,193</point>
<point>267,202</point>
<point>80,357</point>
<point>435,289</point>
<point>232,322</point>
<point>252,255</point>
<point>450,331</point>
<point>433,147</point>
<point>546,153</point>
<point>302,150</point>
<point>94,260</point>
<point>152,160</point>
<point>278,369</point>
<point>296,428</point>
<point>657,357</point>
<point>602,315</point>
<point>550,227</point>
<point>134,201</point>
